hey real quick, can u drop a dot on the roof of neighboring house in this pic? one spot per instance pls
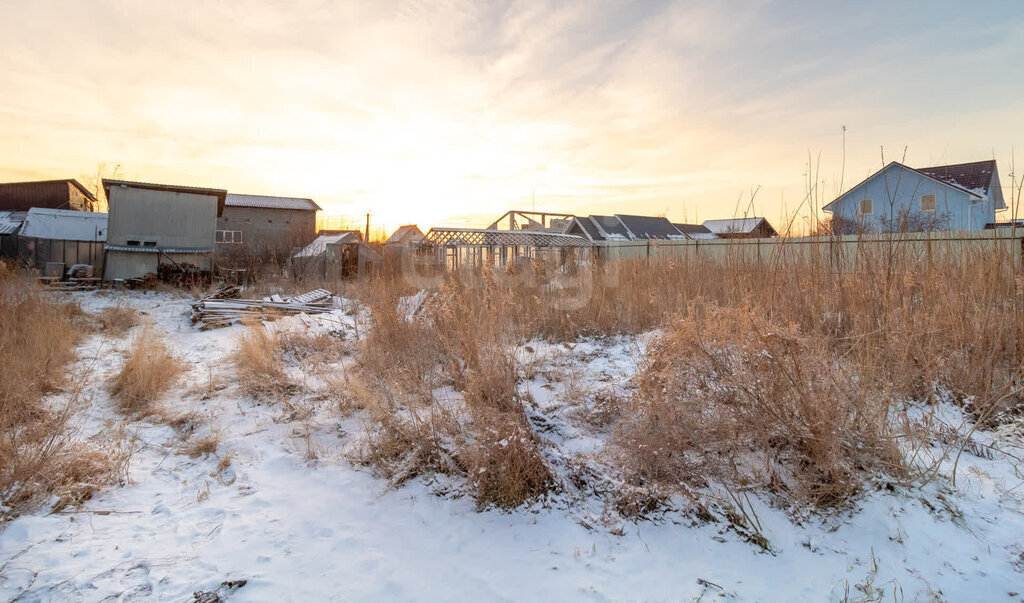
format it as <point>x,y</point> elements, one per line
<point>40,193</point>
<point>694,231</point>
<point>610,227</point>
<point>319,244</point>
<point>649,227</point>
<point>622,227</point>
<point>735,225</point>
<point>64,224</point>
<point>221,194</point>
<point>268,202</point>
<point>403,233</point>
<point>10,221</point>
<point>975,177</point>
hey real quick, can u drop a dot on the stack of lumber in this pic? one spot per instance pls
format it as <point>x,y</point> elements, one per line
<point>224,308</point>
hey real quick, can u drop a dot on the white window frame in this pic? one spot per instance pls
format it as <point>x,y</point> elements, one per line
<point>229,236</point>
<point>934,203</point>
<point>871,207</point>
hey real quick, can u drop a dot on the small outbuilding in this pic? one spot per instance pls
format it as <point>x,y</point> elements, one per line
<point>53,240</point>
<point>160,225</point>
<point>333,256</point>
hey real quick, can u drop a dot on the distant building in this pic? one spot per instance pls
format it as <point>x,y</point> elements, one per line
<point>695,231</point>
<point>260,223</point>
<point>741,228</point>
<point>51,194</point>
<point>621,227</point>
<point>156,224</point>
<point>406,236</point>
<point>964,196</point>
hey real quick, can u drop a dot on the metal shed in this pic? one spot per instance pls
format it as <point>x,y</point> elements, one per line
<point>61,236</point>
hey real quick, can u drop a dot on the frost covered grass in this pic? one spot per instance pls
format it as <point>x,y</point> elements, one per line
<point>39,456</point>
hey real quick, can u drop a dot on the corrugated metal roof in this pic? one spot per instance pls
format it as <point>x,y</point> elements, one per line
<point>10,222</point>
<point>268,202</point>
<point>65,224</point>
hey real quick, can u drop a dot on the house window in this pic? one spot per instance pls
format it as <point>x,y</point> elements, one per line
<point>927,202</point>
<point>149,243</point>
<point>133,243</point>
<point>865,207</point>
<point>229,236</point>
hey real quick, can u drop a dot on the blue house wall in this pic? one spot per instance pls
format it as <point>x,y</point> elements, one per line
<point>897,188</point>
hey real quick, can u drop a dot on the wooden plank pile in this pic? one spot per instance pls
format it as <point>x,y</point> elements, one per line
<point>224,307</point>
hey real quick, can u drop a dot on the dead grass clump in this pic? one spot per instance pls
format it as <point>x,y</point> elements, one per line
<point>118,319</point>
<point>259,365</point>
<point>477,428</point>
<point>148,372</point>
<point>734,399</point>
<point>203,446</point>
<point>316,350</point>
<point>39,457</point>
<point>506,468</point>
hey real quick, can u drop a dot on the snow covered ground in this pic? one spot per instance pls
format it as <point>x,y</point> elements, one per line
<point>296,520</point>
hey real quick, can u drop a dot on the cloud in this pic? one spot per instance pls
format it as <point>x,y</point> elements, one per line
<point>422,111</point>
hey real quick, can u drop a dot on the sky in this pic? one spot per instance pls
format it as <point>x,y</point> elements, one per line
<point>454,111</point>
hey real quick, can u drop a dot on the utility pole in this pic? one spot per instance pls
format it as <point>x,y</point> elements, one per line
<point>367,237</point>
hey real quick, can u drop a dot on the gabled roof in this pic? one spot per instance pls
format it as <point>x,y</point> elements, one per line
<point>735,225</point>
<point>39,193</point>
<point>220,194</point>
<point>65,224</point>
<point>403,233</point>
<point>946,175</point>
<point>269,202</point>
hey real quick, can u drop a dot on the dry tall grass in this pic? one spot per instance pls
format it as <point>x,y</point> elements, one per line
<point>783,377</point>
<point>118,319</point>
<point>39,456</point>
<point>148,372</point>
<point>479,430</point>
<point>259,365</point>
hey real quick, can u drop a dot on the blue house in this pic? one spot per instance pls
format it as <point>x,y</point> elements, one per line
<point>964,196</point>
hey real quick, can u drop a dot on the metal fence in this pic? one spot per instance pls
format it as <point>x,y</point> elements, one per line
<point>844,252</point>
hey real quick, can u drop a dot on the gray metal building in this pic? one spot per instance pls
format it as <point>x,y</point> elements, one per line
<point>262,224</point>
<point>157,224</point>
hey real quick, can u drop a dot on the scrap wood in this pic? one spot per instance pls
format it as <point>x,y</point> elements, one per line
<point>223,308</point>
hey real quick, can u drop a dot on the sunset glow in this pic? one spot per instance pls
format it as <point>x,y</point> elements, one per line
<point>455,111</point>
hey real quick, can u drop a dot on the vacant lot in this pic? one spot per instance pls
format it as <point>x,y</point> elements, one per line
<point>676,430</point>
